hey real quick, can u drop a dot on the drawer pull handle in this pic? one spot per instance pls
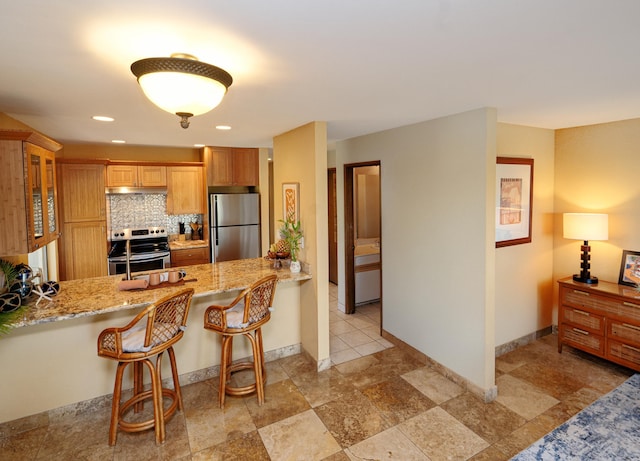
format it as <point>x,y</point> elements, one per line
<point>633,327</point>
<point>635,349</point>
<point>631,304</point>
<point>581,312</point>
<point>578,292</point>
<point>582,332</point>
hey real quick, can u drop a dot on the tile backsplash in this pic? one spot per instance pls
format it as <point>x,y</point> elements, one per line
<point>144,210</point>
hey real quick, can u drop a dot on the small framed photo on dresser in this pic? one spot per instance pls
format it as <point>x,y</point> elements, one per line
<point>630,268</point>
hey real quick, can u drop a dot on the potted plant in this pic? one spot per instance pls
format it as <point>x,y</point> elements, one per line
<point>10,310</point>
<point>291,232</point>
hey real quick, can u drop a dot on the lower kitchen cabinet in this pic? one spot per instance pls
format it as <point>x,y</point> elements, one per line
<point>601,319</point>
<point>85,250</point>
<point>189,256</point>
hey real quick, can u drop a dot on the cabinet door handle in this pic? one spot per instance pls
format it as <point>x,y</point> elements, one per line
<point>582,332</point>
<point>635,349</point>
<point>626,303</point>
<point>578,292</point>
<point>581,312</point>
<point>633,327</point>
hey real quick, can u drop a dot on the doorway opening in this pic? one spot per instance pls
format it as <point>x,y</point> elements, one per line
<point>363,242</point>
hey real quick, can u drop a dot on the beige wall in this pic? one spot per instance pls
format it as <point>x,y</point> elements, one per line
<point>596,171</point>
<point>300,156</point>
<point>524,282</point>
<point>437,236</point>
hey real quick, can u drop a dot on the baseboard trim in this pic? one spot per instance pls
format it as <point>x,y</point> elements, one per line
<point>523,341</point>
<point>486,395</point>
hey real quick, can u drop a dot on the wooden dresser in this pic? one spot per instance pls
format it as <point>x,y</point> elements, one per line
<point>602,319</point>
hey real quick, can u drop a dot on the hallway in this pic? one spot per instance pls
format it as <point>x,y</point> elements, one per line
<point>356,335</point>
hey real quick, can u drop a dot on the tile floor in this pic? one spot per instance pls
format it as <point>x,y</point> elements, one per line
<point>385,405</point>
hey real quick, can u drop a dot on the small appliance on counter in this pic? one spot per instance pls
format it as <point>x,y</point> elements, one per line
<point>235,226</point>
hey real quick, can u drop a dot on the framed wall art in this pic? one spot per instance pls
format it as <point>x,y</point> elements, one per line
<point>630,268</point>
<point>291,201</point>
<point>514,200</point>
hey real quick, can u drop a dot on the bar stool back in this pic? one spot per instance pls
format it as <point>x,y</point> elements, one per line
<point>244,316</point>
<point>153,331</point>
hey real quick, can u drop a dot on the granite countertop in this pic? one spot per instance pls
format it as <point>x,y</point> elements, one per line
<point>184,244</point>
<point>98,295</point>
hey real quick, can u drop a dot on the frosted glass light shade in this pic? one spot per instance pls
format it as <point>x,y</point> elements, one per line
<point>176,92</point>
<point>585,226</point>
<point>181,84</point>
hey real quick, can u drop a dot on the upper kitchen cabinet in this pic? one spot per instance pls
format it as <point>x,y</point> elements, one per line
<point>232,166</point>
<point>29,213</point>
<point>129,175</point>
<point>83,192</point>
<point>185,190</point>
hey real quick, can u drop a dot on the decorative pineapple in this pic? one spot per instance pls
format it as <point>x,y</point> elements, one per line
<point>280,249</point>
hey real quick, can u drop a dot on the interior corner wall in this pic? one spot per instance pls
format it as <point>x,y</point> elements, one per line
<point>595,171</point>
<point>300,156</point>
<point>524,282</point>
<point>265,199</point>
<point>437,251</point>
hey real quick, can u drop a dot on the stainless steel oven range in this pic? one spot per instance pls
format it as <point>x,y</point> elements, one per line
<point>148,247</point>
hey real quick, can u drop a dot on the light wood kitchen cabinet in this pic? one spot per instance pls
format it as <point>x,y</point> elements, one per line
<point>185,190</point>
<point>233,166</point>
<point>84,236</point>
<point>29,214</point>
<point>85,250</point>
<point>189,256</point>
<point>136,176</point>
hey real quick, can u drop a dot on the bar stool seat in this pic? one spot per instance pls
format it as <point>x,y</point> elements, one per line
<point>244,316</point>
<point>152,332</point>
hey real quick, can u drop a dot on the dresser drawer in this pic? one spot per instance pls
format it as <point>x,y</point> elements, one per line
<point>624,354</point>
<point>582,318</point>
<point>623,331</point>
<point>605,305</point>
<point>581,339</point>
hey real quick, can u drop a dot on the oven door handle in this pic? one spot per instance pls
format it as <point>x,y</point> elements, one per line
<point>149,258</point>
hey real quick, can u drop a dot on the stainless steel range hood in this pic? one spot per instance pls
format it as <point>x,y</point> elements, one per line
<point>135,190</point>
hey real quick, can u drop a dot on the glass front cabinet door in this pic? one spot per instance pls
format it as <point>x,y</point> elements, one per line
<point>42,199</point>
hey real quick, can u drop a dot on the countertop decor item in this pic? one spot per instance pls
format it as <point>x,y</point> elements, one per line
<point>291,232</point>
<point>181,84</point>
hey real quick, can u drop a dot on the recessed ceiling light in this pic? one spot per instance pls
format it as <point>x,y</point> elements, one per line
<point>118,141</point>
<point>103,118</point>
<point>198,145</point>
<point>223,127</point>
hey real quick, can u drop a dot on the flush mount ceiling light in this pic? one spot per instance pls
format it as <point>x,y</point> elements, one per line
<point>181,84</point>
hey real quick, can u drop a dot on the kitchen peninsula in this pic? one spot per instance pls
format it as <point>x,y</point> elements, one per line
<point>49,360</point>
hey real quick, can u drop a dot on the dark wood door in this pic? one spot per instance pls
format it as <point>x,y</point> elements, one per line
<point>333,226</point>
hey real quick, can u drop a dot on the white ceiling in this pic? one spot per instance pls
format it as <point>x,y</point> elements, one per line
<point>360,65</point>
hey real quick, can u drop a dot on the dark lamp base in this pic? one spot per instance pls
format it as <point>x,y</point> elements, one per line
<point>588,279</point>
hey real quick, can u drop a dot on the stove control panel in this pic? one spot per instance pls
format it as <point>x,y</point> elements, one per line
<point>139,233</point>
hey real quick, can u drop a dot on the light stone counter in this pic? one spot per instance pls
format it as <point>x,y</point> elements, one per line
<point>99,295</point>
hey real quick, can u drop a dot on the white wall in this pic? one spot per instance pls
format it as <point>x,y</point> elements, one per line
<point>437,185</point>
<point>524,281</point>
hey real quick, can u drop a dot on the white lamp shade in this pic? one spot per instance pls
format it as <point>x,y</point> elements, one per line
<point>180,92</point>
<point>585,226</point>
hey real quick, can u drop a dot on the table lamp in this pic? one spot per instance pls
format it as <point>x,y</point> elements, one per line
<point>585,227</point>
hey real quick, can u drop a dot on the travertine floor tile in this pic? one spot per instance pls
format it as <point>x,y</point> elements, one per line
<point>397,400</point>
<point>248,446</point>
<point>523,398</point>
<point>322,387</point>
<point>441,436</point>
<point>351,419</point>
<point>388,445</point>
<point>302,436</point>
<point>433,384</point>
<point>282,400</point>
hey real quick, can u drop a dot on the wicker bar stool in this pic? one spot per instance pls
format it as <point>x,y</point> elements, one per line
<point>153,331</point>
<point>243,317</point>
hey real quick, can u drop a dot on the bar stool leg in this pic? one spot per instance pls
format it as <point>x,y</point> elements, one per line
<point>115,405</point>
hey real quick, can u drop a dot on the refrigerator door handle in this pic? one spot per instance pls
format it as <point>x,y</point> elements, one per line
<point>215,218</point>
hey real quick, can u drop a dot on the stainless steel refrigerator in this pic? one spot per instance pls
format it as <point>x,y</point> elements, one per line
<point>235,226</point>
